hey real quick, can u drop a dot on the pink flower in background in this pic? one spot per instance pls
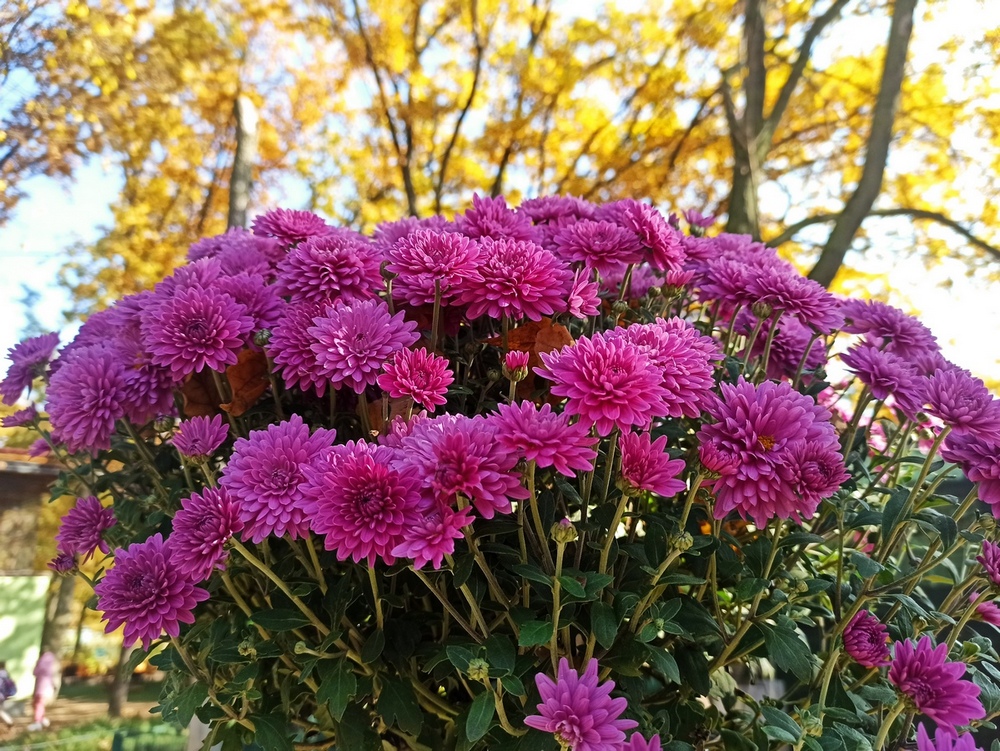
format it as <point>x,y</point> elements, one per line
<point>579,711</point>
<point>425,260</point>
<point>289,227</point>
<point>21,418</point>
<point>990,561</point>
<point>664,243</point>
<point>923,674</point>
<point>783,288</point>
<point>866,640</point>
<point>39,448</point>
<point>962,401</point>
<point>548,209</point>
<point>86,396</point>
<point>696,219</point>
<point>146,593</point>
<point>643,278</point>
<point>291,348</point>
<point>201,529</point>
<point>545,437</point>
<point>353,342</point>
<point>598,245</point>
<point>418,374</point>
<point>261,300</point>
<point>27,361</point>
<point>431,536</point>
<point>265,475</point>
<point>490,217</point>
<point>646,465</point>
<point>516,279</point>
<point>889,328</point>
<point>82,529</point>
<point>63,563</point>
<point>987,611</point>
<point>583,299</point>
<point>945,740</point>
<point>336,266</point>
<point>197,438</point>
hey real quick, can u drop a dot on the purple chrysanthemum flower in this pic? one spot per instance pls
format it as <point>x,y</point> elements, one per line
<point>85,398</point>
<point>387,234</point>
<point>696,219</point>
<point>203,274</point>
<point>684,358</point>
<point>664,243</point>
<point>39,448</point>
<point>353,342</point>
<point>578,711</point>
<point>330,267</point>
<point>642,280</point>
<point>429,538</point>
<point>933,685</point>
<point>548,209</point>
<point>987,611</point>
<point>82,529</point>
<point>198,437</point>
<point>598,245</point>
<point>516,279</point>
<point>425,261</point>
<point>455,455</point>
<point>887,374</point>
<point>979,459</point>
<point>608,381</point>
<point>197,328</point>
<point>21,418</point>
<point>27,362</point>
<point>990,560</point>
<point>418,374</point>
<point>146,593</point>
<point>866,640</point>
<point>261,300</point>
<point>149,388</point>
<point>291,347</point>
<point>265,475</point>
<point>237,249</point>
<point>202,528</point>
<point>964,403</point>
<point>814,470</point>
<point>63,563</point>
<point>288,226</point>
<point>760,428</point>
<point>638,743</point>
<point>782,288</point>
<point>545,437</point>
<point>646,465</point>
<point>945,740</point>
<point>583,299</point>
<point>490,217</point>
<point>360,503</point>
<point>889,328</point>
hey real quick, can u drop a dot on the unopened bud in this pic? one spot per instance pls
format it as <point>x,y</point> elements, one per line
<point>563,532</point>
<point>761,310</point>
<point>163,424</point>
<point>493,374</point>
<point>682,541</point>
<point>627,488</point>
<point>970,651</point>
<point>812,723</point>
<point>515,365</point>
<point>301,648</point>
<point>987,523</point>
<point>619,307</point>
<point>479,669</point>
<point>654,291</point>
<point>262,337</point>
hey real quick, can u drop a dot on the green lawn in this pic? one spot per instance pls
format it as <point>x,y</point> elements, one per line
<point>98,691</point>
<point>98,735</point>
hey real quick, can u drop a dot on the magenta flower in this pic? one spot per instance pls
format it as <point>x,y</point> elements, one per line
<point>39,448</point>
<point>490,217</point>
<point>643,278</point>
<point>578,711</point>
<point>198,437</point>
<point>454,455</point>
<point>360,503</point>
<point>545,437</point>
<point>945,740</point>
<point>964,403</point>
<point>979,459</point>
<point>195,329</point>
<point>21,418</point>
<point>760,428</point>
<point>27,361</point>
<point>889,328</point>
<point>814,471</point>
<point>887,374</point>
<point>933,685</point>
<point>598,245</point>
<point>607,381</point>
<point>987,611</point>
<point>202,528</point>
<point>646,465</point>
<point>548,209</point>
<point>330,267</point>
<point>866,640</point>
<point>238,250</point>
<point>782,288</point>
<point>261,300</point>
<point>516,360</point>
<point>63,563</point>
<point>638,743</point>
<point>289,227</point>
<point>684,358</point>
<point>202,274</point>
<point>418,374</point>
<point>424,261</point>
<point>86,396</point>
<point>664,244</point>
<point>265,475</point>
<point>990,560</point>
<point>430,537</point>
<point>291,348</point>
<point>517,279</point>
<point>82,529</point>
<point>353,342</point>
<point>696,219</point>
<point>146,593</point>
<point>583,299</point>
<point>149,388</point>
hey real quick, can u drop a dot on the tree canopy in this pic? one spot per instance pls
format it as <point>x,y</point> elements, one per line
<point>802,122</point>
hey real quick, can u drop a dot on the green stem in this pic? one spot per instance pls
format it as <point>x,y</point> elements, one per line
<point>366,422</point>
<point>966,617</point>
<point>379,616</point>
<point>315,561</point>
<point>543,540</point>
<point>771,331</point>
<point>466,626</point>
<point>556,606</point>
<point>883,732</point>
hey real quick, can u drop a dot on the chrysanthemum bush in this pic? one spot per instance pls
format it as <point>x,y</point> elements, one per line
<point>562,475</point>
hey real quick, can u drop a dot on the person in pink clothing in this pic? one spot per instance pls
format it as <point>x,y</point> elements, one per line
<point>46,674</point>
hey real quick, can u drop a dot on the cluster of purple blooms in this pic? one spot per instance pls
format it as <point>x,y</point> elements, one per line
<point>337,311</point>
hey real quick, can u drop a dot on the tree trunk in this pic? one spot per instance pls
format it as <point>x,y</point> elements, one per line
<point>59,616</point>
<point>877,152</point>
<point>743,217</point>
<point>243,160</point>
<point>118,691</point>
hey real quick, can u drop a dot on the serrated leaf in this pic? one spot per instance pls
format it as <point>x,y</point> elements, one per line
<point>480,716</point>
<point>355,733</point>
<point>188,700</point>
<point>865,565</point>
<point>534,633</point>
<point>788,651</point>
<point>397,703</point>
<point>337,686</point>
<point>271,732</point>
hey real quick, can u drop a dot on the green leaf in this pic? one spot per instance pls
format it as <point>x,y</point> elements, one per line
<point>533,573</point>
<point>355,732</point>
<point>534,633</point>
<point>188,700</point>
<point>460,657</point>
<point>572,587</point>
<point>271,732</point>
<point>749,587</point>
<point>604,624</point>
<point>501,653</point>
<point>513,685</point>
<point>337,686</point>
<point>779,726</point>
<point>463,568</point>
<point>397,702</point>
<point>372,648</point>
<point>892,514</point>
<point>480,716</point>
<point>800,538</point>
<point>665,663</point>
<point>788,651</point>
<point>280,619</point>
<point>865,565</point>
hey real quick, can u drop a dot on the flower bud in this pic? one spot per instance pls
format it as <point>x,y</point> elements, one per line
<point>163,424</point>
<point>515,365</point>
<point>248,649</point>
<point>761,310</point>
<point>262,337</point>
<point>493,374</point>
<point>563,532</point>
<point>619,307</point>
<point>682,541</point>
<point>987,523</point>
<point>970,650</point>
<point>627,488</point>
<point>479,669</point>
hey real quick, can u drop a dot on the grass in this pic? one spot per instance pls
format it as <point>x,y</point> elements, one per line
<point>97,735</point>
<point>144,691</point>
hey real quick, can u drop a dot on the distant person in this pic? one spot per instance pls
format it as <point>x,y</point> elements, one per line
<point>46,675</point>
<point>7,689</point>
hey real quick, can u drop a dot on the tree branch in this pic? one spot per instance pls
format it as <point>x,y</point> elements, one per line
<point>931,216</point>
<point>754,37</point>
